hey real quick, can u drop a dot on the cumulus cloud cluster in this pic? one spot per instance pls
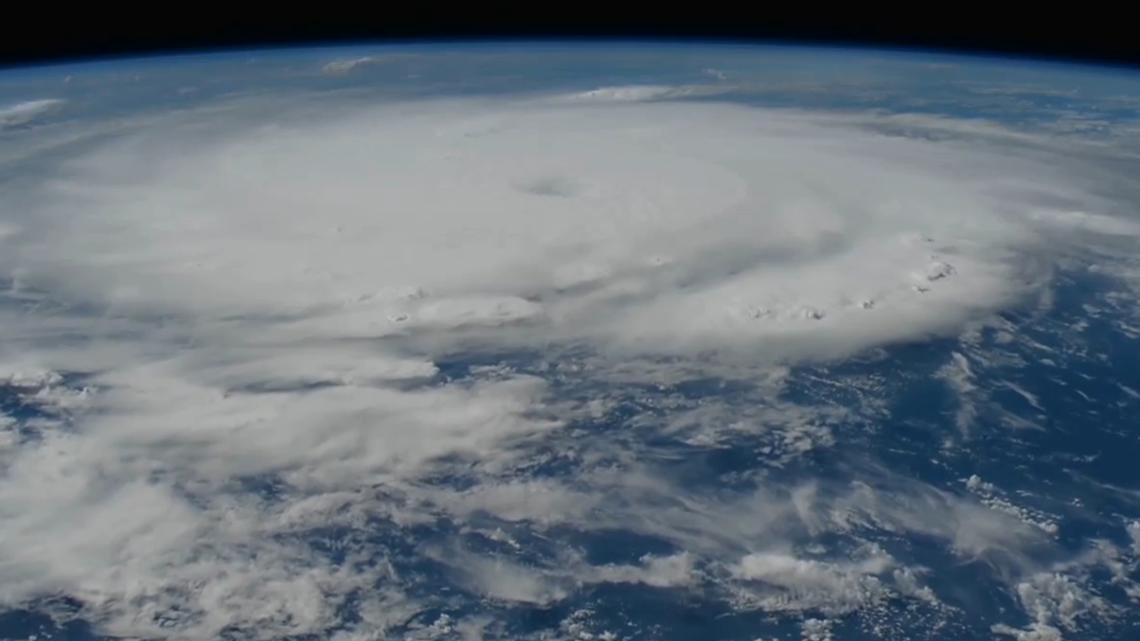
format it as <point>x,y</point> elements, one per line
<point>261,314</point>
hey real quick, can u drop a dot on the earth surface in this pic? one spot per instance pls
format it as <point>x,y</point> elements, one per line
<point>570,341</point>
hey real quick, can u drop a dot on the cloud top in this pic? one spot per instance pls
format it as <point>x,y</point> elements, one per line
<point>643,226</point>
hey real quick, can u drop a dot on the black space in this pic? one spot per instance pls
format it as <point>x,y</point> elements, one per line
<point>1070,32</point>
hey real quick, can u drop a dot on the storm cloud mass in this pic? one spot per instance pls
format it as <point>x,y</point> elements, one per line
<point>239,326</point>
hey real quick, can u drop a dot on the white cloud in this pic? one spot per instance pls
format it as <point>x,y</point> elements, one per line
<point>816,630</point>
<point>22,113</point>
<point>342,67</point>
<point>1054,603</point>
<point>1034,632</point>
<point>803,584</point>
<point>659,572</point>
<point>644,93</point>
<point>959,376</point>
<point>345,66</point>
<point>505,580</point>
